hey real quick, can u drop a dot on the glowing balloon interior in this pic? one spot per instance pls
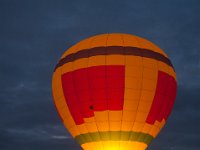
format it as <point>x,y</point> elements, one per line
<point>114,91</point>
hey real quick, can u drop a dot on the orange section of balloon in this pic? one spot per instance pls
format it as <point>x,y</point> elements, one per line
<point>114,91</point>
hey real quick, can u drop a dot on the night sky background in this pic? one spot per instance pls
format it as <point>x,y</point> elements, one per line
<point>35,33</point>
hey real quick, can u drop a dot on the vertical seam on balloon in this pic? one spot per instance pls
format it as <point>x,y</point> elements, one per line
<point>68,107</point>
<point>141,87</point>
<point>152,100</point>
<point>159,127</point>
<point>140,93</point>
<point>54,99</point>
<point>107,90</point>
<point>170,81</point>
<point>85,122</point>
<point>129,134</point>
<point>60,82</point>
<point>150,127</point>
<point>90,94</point>
<point>152,104</point>
<point>167,93</point>
<point>145,138</point>
<point>123,92</point>
<point>78,103</point>
<point>139,135</point>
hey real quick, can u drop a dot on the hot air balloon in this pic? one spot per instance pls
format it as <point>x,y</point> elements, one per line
<point>114,91</point>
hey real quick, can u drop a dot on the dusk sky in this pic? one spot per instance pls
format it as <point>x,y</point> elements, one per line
<point>35,33</point>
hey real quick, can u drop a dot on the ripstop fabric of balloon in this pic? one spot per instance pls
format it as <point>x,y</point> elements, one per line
<point>114,91</point>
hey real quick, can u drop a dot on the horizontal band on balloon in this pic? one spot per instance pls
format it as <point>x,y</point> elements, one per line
<point>134,51</point>
<point>114,145</point>
<point>114,136</point>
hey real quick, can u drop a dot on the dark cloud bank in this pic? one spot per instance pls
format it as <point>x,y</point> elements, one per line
<point>34,34</point>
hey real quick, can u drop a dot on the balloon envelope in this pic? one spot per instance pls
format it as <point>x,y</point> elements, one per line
<point>114,91</point>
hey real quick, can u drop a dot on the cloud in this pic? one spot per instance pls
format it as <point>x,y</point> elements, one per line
<point>60,137</point>
<point>34,139</point>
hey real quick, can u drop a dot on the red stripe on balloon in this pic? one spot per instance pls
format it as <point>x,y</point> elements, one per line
<point>92,89</point>
<point>171,95</point>
<point>164,98</point>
